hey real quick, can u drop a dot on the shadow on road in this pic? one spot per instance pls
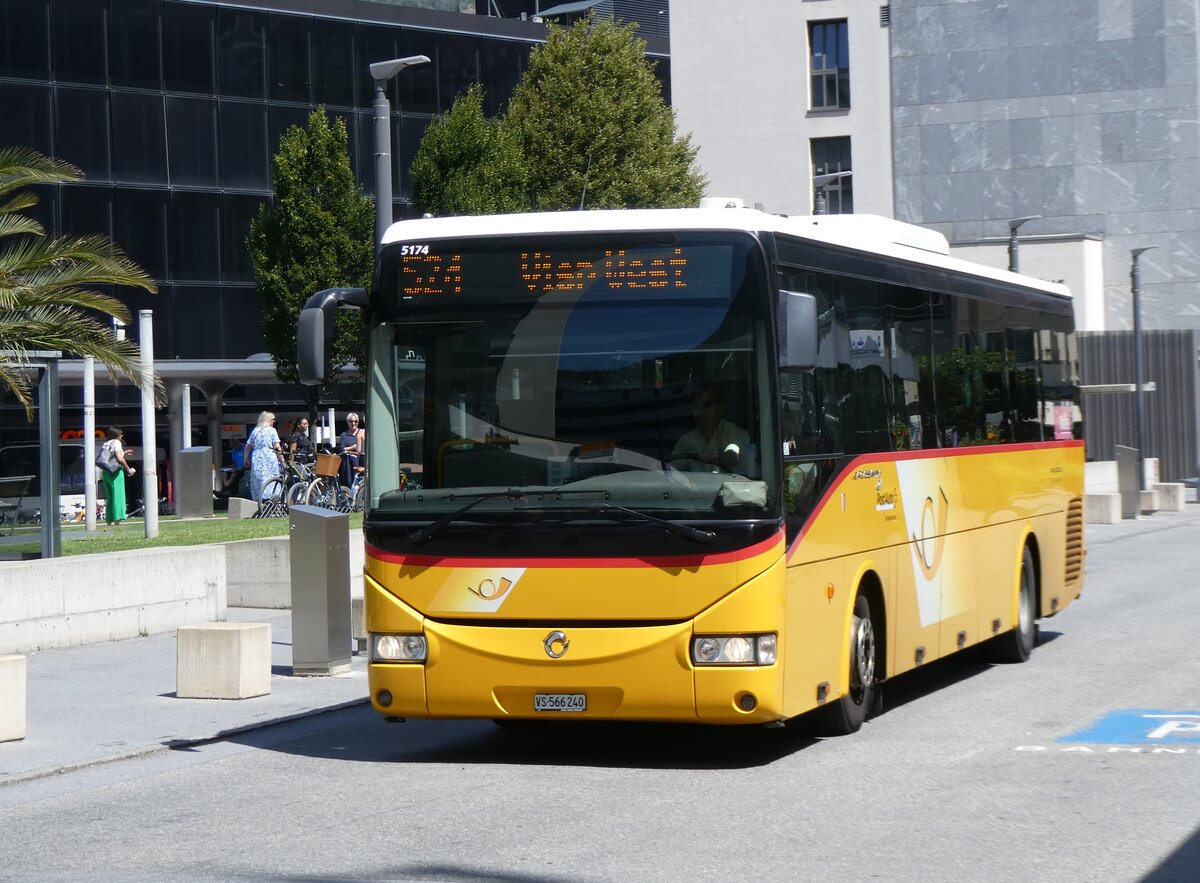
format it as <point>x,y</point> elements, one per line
<point>358,734</point>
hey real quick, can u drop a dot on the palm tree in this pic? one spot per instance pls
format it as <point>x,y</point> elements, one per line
<point>45,297</point>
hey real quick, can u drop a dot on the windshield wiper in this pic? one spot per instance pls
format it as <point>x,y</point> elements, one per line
<point>695,534</point>
<point>425,534</point>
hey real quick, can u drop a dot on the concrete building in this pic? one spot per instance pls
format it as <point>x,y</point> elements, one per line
<point>966,115</point>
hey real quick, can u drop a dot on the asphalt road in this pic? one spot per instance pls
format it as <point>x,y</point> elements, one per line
<point>965,775</point>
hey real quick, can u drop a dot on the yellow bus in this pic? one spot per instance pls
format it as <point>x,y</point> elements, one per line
<point>703,465</point>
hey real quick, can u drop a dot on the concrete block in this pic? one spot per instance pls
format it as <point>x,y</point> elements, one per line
<point>12,698</point>
<point>223,660</point>
<point>1100,477</point>
<point>1147,502</point>
<point>241,508</point>
<point>1102,508</point>
<point>358,624</point>
<point>1172,496</point>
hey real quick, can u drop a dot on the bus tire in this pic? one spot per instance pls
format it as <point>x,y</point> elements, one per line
<point>846,715</point>
<point>1016,645</point>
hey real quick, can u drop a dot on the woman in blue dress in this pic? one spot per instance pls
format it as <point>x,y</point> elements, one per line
<point>263,453</point>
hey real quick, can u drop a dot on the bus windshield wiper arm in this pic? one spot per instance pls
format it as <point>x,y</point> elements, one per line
<point>425,534</point>
<point>695,534</point>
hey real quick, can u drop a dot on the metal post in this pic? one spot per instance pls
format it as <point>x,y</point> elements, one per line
<point>185,408</point>
<point>382,71</point>
<point>149,444</point>
<point>50,467</point>
<point>1013,264</point>
<point>89,442</point>
<point>1138,367</point>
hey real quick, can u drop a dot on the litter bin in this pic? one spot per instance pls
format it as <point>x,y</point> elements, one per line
<point>193,484</point>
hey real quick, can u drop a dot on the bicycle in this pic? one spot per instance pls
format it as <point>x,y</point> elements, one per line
<point>289,488</point>
<point>354,498</point>
<point>325,489</point>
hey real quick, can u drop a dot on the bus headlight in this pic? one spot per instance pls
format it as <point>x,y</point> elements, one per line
<point>734,650</point>
<point>398,648</point>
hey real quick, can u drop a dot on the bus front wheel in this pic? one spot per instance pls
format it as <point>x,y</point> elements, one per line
<point>846,715</point>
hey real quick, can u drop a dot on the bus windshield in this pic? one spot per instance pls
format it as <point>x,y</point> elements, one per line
<point>583,371</point>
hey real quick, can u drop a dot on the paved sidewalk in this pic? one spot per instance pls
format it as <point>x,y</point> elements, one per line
<point>101,702</point>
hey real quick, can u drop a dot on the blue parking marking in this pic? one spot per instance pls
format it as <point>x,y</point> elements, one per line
<point>1141,726</point>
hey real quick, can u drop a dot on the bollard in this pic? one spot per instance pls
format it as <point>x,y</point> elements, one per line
<point>319,551</point>
<point>12,698</point>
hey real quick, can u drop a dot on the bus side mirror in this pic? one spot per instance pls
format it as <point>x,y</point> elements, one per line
<point>316,329</point>
<point>797,331</point>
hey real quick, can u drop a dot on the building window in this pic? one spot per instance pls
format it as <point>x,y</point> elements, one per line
<point>833,183</point>
<point>830,64</point>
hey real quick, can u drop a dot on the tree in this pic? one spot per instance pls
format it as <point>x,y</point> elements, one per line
<point>592,125</point>
<point>46,299</point>
<point>320,234</point>
<point>468,164</point>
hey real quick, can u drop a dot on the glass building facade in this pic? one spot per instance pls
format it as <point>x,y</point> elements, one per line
<point>173,109</point>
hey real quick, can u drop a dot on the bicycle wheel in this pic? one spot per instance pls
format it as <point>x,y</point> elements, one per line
<point>272,492</point>
<point>295,493</point>
<point>358,498</point>
<point>321,492</point>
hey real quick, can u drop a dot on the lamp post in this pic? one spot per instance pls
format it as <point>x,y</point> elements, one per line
<point>1013,266</point>
<point>1138,368</point>
<point>820,182</point>
<point>382,71</point>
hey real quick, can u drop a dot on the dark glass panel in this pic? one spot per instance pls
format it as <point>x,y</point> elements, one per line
<point>159,303</point>
<point>192,141</point>
<point>242,325</point>
<point>282,119</point>
<point>374,43</point>
<point>412,129</point>
<point>81,130</point>
<point>418,85</point>
<point>24,39</point>
<point>333,62</point>
<point>139,138</point>
<point>79,40</point>
<point>134,44</point>
<point>288,53</point>
<point>364,128</point>
<point>244,145</point>
<point>140,228</point>
<point>458,68</point>
<point>662,73</point>
<point>44,210</point>
<point>193,238</point>
<point>188,47</point>
<point>503,63</point>
<point>25,110</point>
<point>196,321</point>
<point>241,41</point>
<point>236,214</point>
<point>86,210</point>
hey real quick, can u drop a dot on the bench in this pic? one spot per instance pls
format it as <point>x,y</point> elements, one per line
<point>13,486</point>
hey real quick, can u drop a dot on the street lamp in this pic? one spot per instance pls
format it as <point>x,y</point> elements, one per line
<point>1137,362</point>
<point>382,71</point>
<point>820,182</point>
<point>1012,240</point>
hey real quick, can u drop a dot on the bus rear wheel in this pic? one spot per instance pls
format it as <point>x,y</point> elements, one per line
<point>1017,645</point>
<point>847,714</point>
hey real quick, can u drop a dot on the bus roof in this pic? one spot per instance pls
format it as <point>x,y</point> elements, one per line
<point>870,234</point>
